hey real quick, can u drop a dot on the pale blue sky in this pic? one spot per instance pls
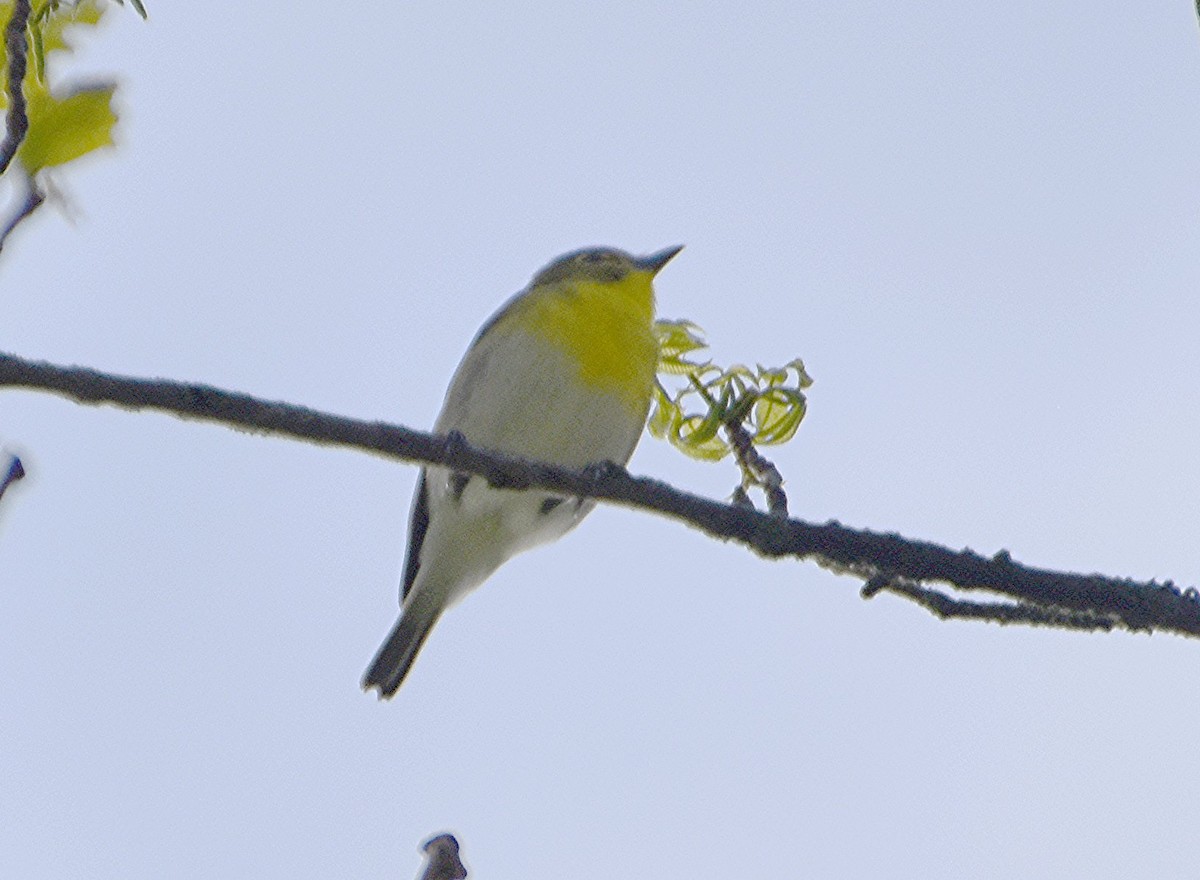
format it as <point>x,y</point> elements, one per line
<point>979,227</point>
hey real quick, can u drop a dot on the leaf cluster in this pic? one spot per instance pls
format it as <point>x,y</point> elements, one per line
<point>71,121</point>
<point>767,404</point>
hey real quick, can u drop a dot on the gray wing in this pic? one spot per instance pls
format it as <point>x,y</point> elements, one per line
<point>418,525</point>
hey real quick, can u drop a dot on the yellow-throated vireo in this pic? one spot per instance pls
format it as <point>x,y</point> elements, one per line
<point>563,373</point>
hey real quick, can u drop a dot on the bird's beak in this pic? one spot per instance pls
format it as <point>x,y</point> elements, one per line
<point>656,261</point>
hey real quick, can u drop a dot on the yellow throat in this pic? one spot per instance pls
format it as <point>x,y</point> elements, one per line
<point>606,327</point>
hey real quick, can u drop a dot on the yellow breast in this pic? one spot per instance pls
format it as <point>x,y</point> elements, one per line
<point>606,328</point>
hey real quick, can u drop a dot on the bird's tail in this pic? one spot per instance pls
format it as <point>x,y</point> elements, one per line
<point>399,650</point>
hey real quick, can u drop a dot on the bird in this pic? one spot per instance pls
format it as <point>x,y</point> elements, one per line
<point>563,373</point>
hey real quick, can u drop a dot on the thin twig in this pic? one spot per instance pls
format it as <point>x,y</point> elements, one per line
<point>34,197</point>
<point>16,471</point>
<point>946,607</point>
<point>741,498</point>
<point>863,554</point>
<point>761,470</point>
<point>17,123</point>
<point>444,863</point>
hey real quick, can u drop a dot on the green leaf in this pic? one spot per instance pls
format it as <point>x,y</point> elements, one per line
<point>63,129</point>
<point>698,429</point>
<point>803,379</point>
<point>37,48</point>
<point>697,436</point>
<point>777,415</point>
<point>665,414</point>
<point>676,340</point>
<point>55,18</point>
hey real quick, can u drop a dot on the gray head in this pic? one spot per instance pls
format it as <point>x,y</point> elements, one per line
<point>602,264</point>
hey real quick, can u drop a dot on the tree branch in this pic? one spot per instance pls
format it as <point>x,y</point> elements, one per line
<point>16,46</point>
<point>17,123</point>
<point>879,559</point>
